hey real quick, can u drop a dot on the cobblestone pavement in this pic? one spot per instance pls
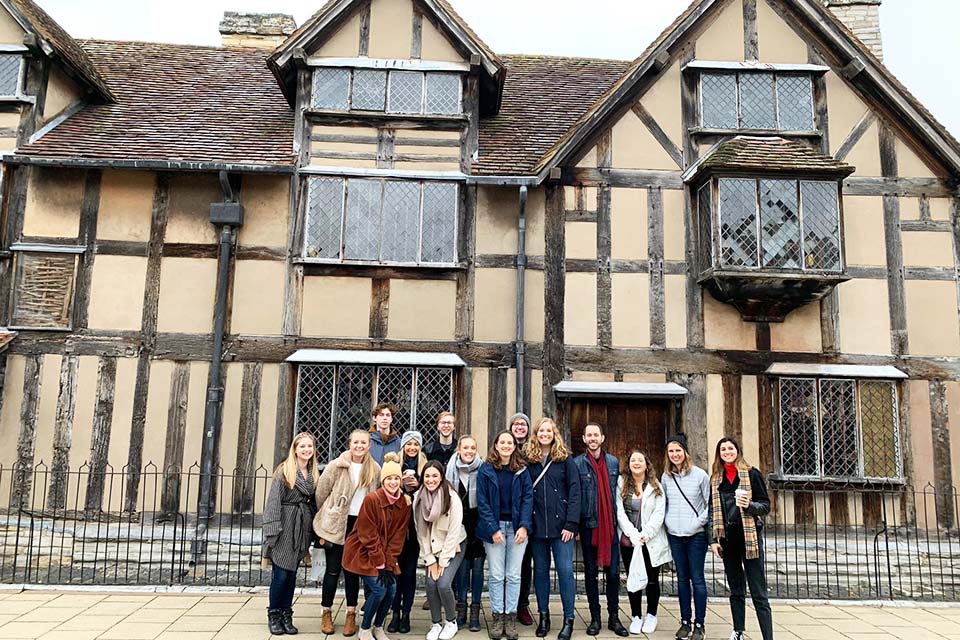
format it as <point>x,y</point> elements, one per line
<point>116,615</point>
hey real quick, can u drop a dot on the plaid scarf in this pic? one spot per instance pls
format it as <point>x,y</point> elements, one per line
<point>750,540</point>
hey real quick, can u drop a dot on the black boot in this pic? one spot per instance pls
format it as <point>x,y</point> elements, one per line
<point>475,616</point>
<point>404,626</point>
<point>275,622</point>
<point>567,631</point>
<point>613,623</point>
<point>544,627</point>
<point>593,628</point>
<point>286,619</point>
<point>394,625</point>
<point>461,614</point>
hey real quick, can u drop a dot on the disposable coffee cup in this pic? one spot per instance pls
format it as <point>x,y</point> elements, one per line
<point>741,492</point>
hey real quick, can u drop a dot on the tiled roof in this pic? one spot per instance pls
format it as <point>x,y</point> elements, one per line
<point>178,103</point>
<point>542,98</point>
<point>68,48</point>
<point>768,154</point>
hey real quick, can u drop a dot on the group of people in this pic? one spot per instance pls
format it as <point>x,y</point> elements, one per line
<point>390,502</point>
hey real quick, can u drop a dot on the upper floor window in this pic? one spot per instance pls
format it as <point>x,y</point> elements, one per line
<point>380,220</point>
<point>834,428</point>
<point>771,223</point>
<point>10,73</point>
<point>756,100</point>
<point>389,91</point>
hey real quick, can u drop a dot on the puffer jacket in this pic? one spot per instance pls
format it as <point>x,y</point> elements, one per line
<point>588,488</point>
<point>440,541</point>
<point>556,499</point>
<point>334,494</point>
<point>379,448</point>
<point>682,519</point>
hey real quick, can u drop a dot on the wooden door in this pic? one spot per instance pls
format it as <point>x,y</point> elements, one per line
<point>627,424</point>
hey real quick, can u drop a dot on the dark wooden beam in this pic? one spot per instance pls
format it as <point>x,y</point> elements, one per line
<point>732,407</point>
<point>175,437</point>
<point>694,414</point>
<point>246,462</point>
<point>766,421</point>
<point>855,135</point>
<point>416,38</point>
<point>379,307</point>
<point>27,435</point>
<point>376,271</point>
<point>466,278</point>
<point>88,232</point>
<point>628,178</point>
<point>821,114</point>
<point>100,436</point>
<point>63,433</point>
<point>604,246</point>
<point>751,47</point>
<point>658,133</point>
<point>893,186</point>
<point>894,246</point>
<point>656,298</point>
<point>554,293</point>
<point>942,459</point>
<point>470,136</point>
<point>496,402</point>
<point>386,148</point>
<point>364,47</point>
<point>690,118</point>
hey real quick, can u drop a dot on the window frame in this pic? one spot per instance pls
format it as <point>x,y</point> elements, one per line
<point>820,476</point>
<point>19,250</point>
<point>389,77</point>
<point>344,212</point>
<point>777,74</point>
<point>21,73</point>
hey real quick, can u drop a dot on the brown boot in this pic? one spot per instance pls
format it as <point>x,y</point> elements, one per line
<point>350,623</point>
<point>326,622</point>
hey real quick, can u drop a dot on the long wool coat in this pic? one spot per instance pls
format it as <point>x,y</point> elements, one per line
<point>288,521</point>
<point>377,536</point>
<point>334,494</point>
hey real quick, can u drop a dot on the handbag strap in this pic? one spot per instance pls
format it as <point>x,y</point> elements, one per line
<point>695,512</point>
<point>542,473</point>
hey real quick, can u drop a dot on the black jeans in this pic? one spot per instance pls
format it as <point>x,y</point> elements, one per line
<point>653,584</point>
<point>526,577</point>
<point>351,581</point>
<point>591,573</point>
<point>282,585</point>
<point>741,572</point>
<point>407,580</point>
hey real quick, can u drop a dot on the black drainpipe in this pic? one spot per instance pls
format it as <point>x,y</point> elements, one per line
<point>520,346</point>
<point>228,215</point>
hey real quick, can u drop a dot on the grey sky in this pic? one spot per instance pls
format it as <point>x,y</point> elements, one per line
<point>919,41</point>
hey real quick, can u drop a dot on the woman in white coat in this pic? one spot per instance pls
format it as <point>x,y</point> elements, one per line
<point>641,506</point>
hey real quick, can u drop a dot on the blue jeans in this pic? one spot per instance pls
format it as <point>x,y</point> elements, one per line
<point>377,605</point>
<point>282,585</point>
<point>689,555</point>
<point>563,559</point>
<point>470,578</point>
<point>505,560</point>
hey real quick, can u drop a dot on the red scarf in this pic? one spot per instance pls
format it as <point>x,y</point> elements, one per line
<point>603,534</point>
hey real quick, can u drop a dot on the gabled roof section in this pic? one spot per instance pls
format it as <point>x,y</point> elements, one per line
<point>37,21</point>
<point>870,73</point>
<point>765,155</point>
<point>176,104</point>
<point>332,14</point>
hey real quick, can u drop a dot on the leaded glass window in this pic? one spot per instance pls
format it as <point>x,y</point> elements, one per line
<point>839,428</point>
<point>333,400</point>
<point>331,89</point>
<point>406,92</point>
<point>380,220</point>
<point>10,64</point>
<point>369,89</point>
<point>756,100</point>
<point>395,91</point>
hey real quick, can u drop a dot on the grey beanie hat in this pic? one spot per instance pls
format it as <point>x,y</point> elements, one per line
<point>519,415</point>
<point>411,435</point>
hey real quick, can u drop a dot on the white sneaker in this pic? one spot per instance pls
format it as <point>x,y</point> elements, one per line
<point>649,623</point>
<point>379,634</point>
<point>736,635</point>
<point>434,632</point>
<point>449,630</point>
<point>636,626</point>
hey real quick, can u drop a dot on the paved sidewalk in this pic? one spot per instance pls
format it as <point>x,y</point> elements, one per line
<point>116,615</point>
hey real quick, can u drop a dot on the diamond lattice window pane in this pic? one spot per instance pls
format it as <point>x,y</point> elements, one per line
<point>354,402</point>
<point>314,406</point>
<point>798,427</point>
<point>324,216</point>
<point>443,93</point>
<point>400,237</point>
<point>757,109</point>
<point>434,394</point>
<point>718,98</point>
<point>369,89</point>
<point>331,89</point>
<point>395,385</point>
<point>821,225</point>
<point>738,222</point>
<point>879,428</point>
<point>704,198</point>
<point>9,74</point>
<point>406,92</point>
<point>795,103</point>
<point>779,224</point>
<point>838,428</point>
<point>362,234</point>
<point>439,222</point>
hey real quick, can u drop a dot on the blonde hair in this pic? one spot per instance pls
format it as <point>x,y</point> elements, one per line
<point>558,450</point>
<point>445,414</point>
<point>288,468</point>
<point>369,469</point>
<point>629,486</point>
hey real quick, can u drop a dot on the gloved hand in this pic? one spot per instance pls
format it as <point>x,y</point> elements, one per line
<point>386,578</point>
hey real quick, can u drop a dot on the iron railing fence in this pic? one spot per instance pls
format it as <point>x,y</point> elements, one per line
<point>842,542</point>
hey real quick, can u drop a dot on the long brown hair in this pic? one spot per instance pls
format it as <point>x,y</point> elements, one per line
<point>558,450</point>
<point>740,462</point>
<point>444,487</point>
<point>629,486</point>
<point>668,467</point>
<point>517,462</point>
<point>288,468</point>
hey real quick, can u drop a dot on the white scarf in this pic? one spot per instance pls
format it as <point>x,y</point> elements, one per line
<point>454,469</point>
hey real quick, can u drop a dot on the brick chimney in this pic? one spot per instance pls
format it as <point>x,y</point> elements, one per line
<point>259,30</point>
<point>863,18</point>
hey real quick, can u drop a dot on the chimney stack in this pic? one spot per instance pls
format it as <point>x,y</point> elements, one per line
<point>258,30</point>
<point>862,17</point>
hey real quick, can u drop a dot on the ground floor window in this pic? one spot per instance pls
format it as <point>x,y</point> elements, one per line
<point>839,429</point>
<point>334,399</point>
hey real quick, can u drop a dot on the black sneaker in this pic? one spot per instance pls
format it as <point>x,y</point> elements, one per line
<point>683,633</point>
<point>699,633</point>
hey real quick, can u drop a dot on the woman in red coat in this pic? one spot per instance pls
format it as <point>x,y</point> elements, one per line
<point>373,546</point>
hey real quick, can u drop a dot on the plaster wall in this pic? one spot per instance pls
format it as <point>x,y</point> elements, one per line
<point>266,206</point>
<point>631,309</point>
<point>126,205</point>
<point>580,309</point>
<point>864,316</point>
<point>628,224</point>
<point>61,93</point>
<point>187,291</point>
<point>188,217</point>
<point>53,203</point>
<point>258,287</point>
<point>933,327</point>
<point>349,296</point>
<point>422,309</point>
<point>116,293</point>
